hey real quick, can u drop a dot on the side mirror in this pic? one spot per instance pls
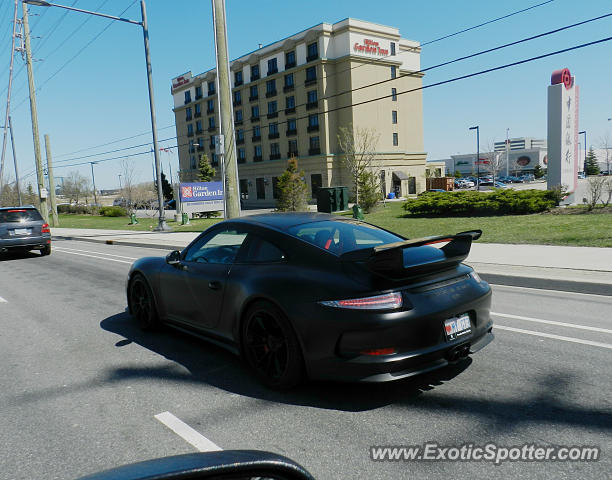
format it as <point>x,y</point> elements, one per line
<point>229,464</point>
<point>173,258</point>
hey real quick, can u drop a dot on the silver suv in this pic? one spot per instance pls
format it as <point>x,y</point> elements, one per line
<point>23,228</point>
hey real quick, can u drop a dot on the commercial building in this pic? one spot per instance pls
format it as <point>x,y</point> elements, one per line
<point>521,158</point>
<point>291,98</point>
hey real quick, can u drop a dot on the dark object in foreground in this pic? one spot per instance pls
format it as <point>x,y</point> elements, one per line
<point>314,295</point>
<point>230,464</point>
<point>23,229</point>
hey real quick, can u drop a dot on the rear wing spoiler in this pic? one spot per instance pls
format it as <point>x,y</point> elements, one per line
<point>389,259</point>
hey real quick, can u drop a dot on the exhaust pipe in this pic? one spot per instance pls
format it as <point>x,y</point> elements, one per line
<point>457,353</point>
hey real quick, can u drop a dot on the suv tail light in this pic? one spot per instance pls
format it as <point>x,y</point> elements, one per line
<point>45,228</point>
<point>386,301</point>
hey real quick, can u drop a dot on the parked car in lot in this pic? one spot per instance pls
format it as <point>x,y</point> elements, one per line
<point>313,295</point>
<point>23,229</point>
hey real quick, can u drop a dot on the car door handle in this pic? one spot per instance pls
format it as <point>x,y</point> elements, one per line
<point>214,285</point>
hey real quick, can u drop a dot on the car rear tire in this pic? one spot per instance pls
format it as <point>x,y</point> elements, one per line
<point>45,251</point>
<point>271,347</point>
<point>142,304</point>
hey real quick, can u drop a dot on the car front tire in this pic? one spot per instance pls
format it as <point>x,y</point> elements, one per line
<point>142,304</point>
<point>271,347</point>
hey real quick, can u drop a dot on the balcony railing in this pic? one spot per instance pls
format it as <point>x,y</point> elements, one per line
<point>310,58</point>
<point>254,99</point>
<point>237,102</point>
<point>292,153</point>
<point>272,71</point>
<point>273,135</point>
<point>201,148</point>
<point>312,128</point>
<point>312,105</point>
<point>237,83</point>
<point>275,156</point>
<point>199,130</point>
<point>255,119</point>
<point>290,65</point>
<point>197,114</point>
<point>271,93</point>
<point>272,115</point>
<point>288,88</point>
<point>190,134</point>
<point>210,110</point>
<point>187,100</point>
<point>291,131</point>
<point>289,110</point>
<point>257,158</point>
<point>238,122</point>
<point>188,118</point>
<point>212,128</point>
<point>314,151</point>
<point>239,141</point>
<point>255,138</point>
<point>310,81</point>
<point>255,77</point>
<point>242,160</point>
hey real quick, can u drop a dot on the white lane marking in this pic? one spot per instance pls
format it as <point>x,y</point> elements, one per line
<point>2,300</point>
<point>94,256</point>
<point>551,322</point>
<point>564,292</point>
<point>191,436</point>
<point>555,337</point>
<point>64,249</point>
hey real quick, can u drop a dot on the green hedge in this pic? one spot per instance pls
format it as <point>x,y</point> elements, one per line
<point>78,209</point>
<point>114,211</point>
<point>474,203</point>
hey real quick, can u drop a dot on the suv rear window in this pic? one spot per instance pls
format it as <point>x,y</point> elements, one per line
<point>19,215</point>
<point>342,236</point>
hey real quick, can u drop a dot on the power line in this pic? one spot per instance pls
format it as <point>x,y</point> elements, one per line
<point>485,23</point>
<point>384,97</point>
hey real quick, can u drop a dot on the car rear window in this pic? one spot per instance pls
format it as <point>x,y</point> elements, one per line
<point>342,236</point>
<point>19,215</point>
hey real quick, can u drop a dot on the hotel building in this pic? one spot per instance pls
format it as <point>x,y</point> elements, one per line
<point>290,98</point>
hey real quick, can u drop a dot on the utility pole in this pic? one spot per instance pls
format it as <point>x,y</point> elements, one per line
<point>37,157</point>
<point>93,179</point>
<point>120,187</point>
<point>8,99</point>
<point>15,161</point>
<point>229,165</point>
<point>507,151</point>
<point>54,217</point>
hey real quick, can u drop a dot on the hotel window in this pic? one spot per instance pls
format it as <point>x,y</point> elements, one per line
<point>188,114</point>
<point>211,88</point>
<point>313,51</point>
<point>393,71</point>
<point>210,106</point>
<point>244,188</point>
<point>312,96</point>
<point>191,146</point>
<point>272,107</point>
<point>211,123</point>
<point>199,128</point>
<point>292,148</point>
<point>289,60</point>
<point>290,102</point>
<point>256,133</point>
<point>392,48</point>
<point>253,93</point>
<point>214,159</point>
<point>316,182</point>
<point>241,155</point>
<point>394,94</point>
<point>313,122</point>
<point>291,126</point>
<point>237,97</point>
<point>275,191</point>
<point>255,72</point>
<point>198,92</point>
<point>315,146</point>
<point>238,78</point>
<point>272,66</point>
<point>393,116</point>
<point>274,149</point>
<point>254,112</point>
<point>198,109</point>
<point>273,129</point>
<point>395,140</point>
<point>192,162</point>
<point>190,129</point>
<point>260,188</point>
<point>270,88</point>
<point>258,152</point>
<point>240,135</point>
<point>289,80</point>
<point>238,116</point>
<point>188,96</point>
<point>311,74</point>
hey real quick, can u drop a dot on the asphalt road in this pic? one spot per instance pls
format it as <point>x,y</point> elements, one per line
<point>81,386</point>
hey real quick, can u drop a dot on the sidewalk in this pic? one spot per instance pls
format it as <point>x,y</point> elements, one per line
<point>588,265</point>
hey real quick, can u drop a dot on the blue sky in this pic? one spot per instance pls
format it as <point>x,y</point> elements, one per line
<point>101,96</point>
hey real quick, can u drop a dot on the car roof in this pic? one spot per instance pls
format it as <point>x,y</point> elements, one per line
<point>285,220</point>
<point>21,207</point>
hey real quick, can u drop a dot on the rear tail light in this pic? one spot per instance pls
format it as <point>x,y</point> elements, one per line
<point>386,301</point>
<point>45,228</point>
<point>379,351</point>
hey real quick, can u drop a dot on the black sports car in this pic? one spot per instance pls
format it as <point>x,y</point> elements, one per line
<point>318,295</point>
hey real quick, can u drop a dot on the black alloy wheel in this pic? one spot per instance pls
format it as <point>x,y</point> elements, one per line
<point>45,251</point>
<point>142,304</point>
<point>271,347</point>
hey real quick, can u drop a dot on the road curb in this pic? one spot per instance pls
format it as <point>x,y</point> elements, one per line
<point>549,284</point>
<point>125,243</point>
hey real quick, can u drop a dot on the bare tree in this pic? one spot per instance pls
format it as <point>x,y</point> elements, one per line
<point>75,187</point>
<point>358,147</point>
<point>495,161</point>
<point>127,188</point>
<point>606,194</point>
<point>595,188</point>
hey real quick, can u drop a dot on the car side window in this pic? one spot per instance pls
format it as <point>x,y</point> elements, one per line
<point>259,250</point>
<point>219,247</point>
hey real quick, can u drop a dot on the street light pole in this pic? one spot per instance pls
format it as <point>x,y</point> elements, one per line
<point>507,152</point>
<point>162,226</point>
<point>477,128</point>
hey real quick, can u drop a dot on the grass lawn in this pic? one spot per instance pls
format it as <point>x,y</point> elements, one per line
<point>592,230</point>
<point>122,223</point>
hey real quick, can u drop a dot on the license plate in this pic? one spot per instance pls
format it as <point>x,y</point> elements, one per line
<point>22,231</point>
<point>457,327</point>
